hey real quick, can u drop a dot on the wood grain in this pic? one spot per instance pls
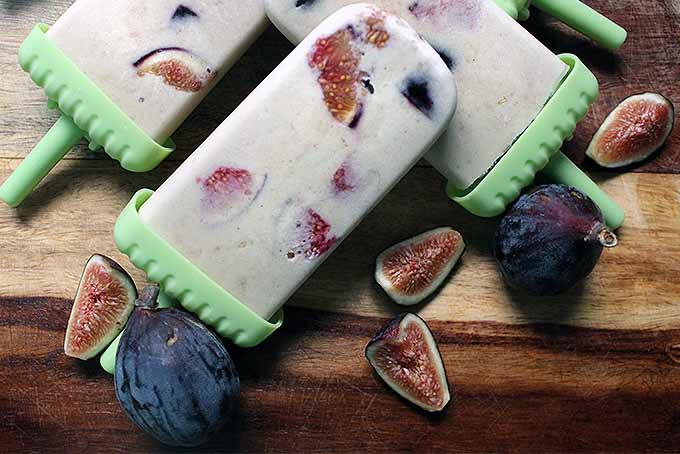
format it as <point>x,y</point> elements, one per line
<point>648,61</point>
<point>64,233</point>
<point>594,370</point>
<point>516,388</point>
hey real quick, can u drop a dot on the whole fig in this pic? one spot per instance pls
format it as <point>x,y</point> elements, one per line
<point>173,376</point>
<point>551,239</point>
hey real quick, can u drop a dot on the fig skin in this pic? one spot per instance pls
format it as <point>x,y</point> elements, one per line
<point>551,239</point>
<point>413,269</point>
<point>419,363</point>
<point>104,300</point>
<point>633,131</point>
<point>174,378</point>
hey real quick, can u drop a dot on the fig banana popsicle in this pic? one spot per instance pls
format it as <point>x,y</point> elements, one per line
<point>125,71</point>
<point>157,59</point>
<point>290,173</point>
<point>503,74</point>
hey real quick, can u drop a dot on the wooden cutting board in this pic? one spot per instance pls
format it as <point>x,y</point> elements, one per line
<point>597,369</point>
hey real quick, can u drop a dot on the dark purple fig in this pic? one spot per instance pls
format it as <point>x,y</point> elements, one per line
<point>412,270</point>
<point>104,300</point>
<point>183,12</point>
<point>633,131</point>
<point>173,376</point>
<point>405,355</point>
<point>551,239</point>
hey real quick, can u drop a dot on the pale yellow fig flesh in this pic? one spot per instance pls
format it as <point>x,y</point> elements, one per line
<point>634,130</point>
<point>103,303</point>
<point>412,270</point>
<point>406,357</point>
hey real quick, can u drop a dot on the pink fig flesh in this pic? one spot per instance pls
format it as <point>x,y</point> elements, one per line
<point>178,68</point>
<point>634,130</point>
<point>105,298</point>
<point>412,270</point>
<point>405,355</point>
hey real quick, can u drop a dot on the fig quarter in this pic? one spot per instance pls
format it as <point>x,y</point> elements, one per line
<point>104,300</point>
<point>634,130</point>
<point>405,355</point>
<point>412,270</point>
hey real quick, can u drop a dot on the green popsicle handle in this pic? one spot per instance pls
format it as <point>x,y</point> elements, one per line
<point>51,149</point>
<point>561,169</point>
<point>108,358</point>
<point>586,20</point>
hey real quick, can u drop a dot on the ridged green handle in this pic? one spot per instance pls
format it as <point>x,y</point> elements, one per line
<point>49,151</point>
<point>561,169</point>
<point>586,20</point>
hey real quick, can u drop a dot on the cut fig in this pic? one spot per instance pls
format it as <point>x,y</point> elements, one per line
<point>412,270</point>
<point>634,130</point>
<point>183,12</point>
<point>228,192</point>
<point>551,239</point>
<point>405,355</point>
<point>416,92</point>
<point>337,59</point>
<point>178,67</point>
<point>105,298</point>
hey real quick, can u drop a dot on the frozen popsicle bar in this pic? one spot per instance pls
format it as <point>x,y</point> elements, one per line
<point>157,59</point>
<point>503,74</point>
<point>288,175</point>
<point>125,74</point>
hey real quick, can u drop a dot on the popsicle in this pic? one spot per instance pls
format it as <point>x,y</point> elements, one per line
<point>288,175</point>
<point>504,75</point>
<point>518,102</point>
<point>124,69</point>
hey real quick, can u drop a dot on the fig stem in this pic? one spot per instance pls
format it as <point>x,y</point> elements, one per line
<point>608,238</point>
<point>604,236</point>
<point>148,298</point>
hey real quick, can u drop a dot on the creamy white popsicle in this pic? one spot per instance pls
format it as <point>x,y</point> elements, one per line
<point>157,59</point>
<point>503,74</point>
<point>306,156</point>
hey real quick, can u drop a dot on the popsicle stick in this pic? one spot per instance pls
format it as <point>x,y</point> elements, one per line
<point>49,151</point>
<point>586,20</point>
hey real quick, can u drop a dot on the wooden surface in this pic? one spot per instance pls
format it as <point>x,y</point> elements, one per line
<point>597,369</point>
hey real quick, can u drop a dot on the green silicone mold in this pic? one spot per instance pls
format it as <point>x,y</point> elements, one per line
<point>517,9</point>
<point>86,112</point>
<point>576,15</point>
<point>538,149</point>
<point>181,280</point>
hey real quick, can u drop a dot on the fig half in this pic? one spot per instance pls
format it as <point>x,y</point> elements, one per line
<point>105,298</point>
<point>634,130</point>
<point>405,355</point>
<point>551,239</point>
<point>412,270</point>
